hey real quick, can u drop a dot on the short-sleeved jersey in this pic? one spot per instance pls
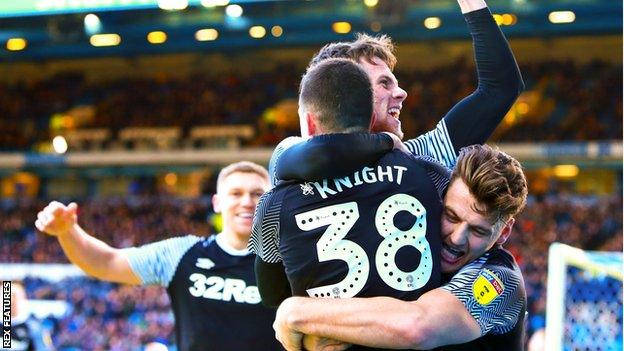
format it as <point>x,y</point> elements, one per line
<point>213,293</point>
<point>492,290</point>
<point>375,232</point>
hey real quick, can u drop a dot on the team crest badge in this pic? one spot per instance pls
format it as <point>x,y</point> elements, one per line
<point>204,263</point>
<point>307,189</point>
<point>487,287</point>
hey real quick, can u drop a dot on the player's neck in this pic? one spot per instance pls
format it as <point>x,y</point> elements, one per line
<point>234,241</point>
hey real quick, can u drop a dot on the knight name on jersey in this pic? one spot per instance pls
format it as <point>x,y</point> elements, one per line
<point>366,175</point>
<point>223,289</point>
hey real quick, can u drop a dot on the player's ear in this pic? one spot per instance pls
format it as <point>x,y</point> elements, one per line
<point>311,124</point>
<point>372,121</point>
<point>506,231</point>
<point>216,203</point>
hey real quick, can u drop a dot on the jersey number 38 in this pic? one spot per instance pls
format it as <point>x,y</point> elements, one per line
<point>339,220</point>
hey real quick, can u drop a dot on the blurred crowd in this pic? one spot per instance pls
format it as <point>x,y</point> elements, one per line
<point>104,316</point>
<point>561,95</point>
<point>121,222</point>
<point>111,317</point>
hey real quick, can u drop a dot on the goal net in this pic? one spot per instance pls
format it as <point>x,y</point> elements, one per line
<point>584,300</point>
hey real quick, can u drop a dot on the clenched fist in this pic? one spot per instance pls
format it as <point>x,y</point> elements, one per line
<point>57,219</point>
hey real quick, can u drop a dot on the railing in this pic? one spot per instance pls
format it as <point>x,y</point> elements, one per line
<point>596,152</point>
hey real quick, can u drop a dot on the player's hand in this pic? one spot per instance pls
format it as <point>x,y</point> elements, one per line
<point>317,343</point>
<point>290,339</point>
<point>398,144</point>
<point>57,219</point>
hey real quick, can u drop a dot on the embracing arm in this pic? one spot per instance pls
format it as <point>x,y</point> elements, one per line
<point>481,298</point>
<point>437,318</point>
<point>93,256</point>
<point>332,155</point>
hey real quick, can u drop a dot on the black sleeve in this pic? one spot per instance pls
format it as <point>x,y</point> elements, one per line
<point>331,155</point>
<point>475,118</point>
<point>272,282</point>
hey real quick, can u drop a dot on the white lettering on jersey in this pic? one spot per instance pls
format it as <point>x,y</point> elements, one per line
<point>217,288</point>
<point>392,174</point>
<point>324,189</point>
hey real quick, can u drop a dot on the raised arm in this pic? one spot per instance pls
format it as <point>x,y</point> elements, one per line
<point>474,119</point>
<point>500,82</point>
<point>93,256</point>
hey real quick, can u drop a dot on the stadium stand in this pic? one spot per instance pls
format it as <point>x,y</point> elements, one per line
<point>210,100</point>
<point>118,114</point>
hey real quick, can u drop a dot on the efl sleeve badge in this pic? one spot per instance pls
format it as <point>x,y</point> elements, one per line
<point>487,287</point>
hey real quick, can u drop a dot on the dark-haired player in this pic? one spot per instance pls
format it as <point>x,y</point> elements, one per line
<point>356,235</point>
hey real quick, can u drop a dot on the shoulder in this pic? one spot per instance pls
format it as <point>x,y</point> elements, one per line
<point>264,240</point>
<point>435,143</point>
<point>490,278</point>
<point>172,249</point>
<point>288,142</point>
<point>179,242</point>
<point>497,261</point>
<point>269,200</point>
<point>438,173</point>
<point>416,159</point>
<point>492,290</point>
<point>156,263</point>
<point>433,165</point>
<point>283,146</point>
<point>502,258</point>
<point>277,153</point>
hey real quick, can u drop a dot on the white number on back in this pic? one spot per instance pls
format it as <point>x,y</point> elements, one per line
<point>332,245</point>
<point>396,239</point>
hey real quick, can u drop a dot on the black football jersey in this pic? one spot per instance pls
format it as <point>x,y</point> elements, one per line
<point>375,232</point>
<point>213,293</point>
